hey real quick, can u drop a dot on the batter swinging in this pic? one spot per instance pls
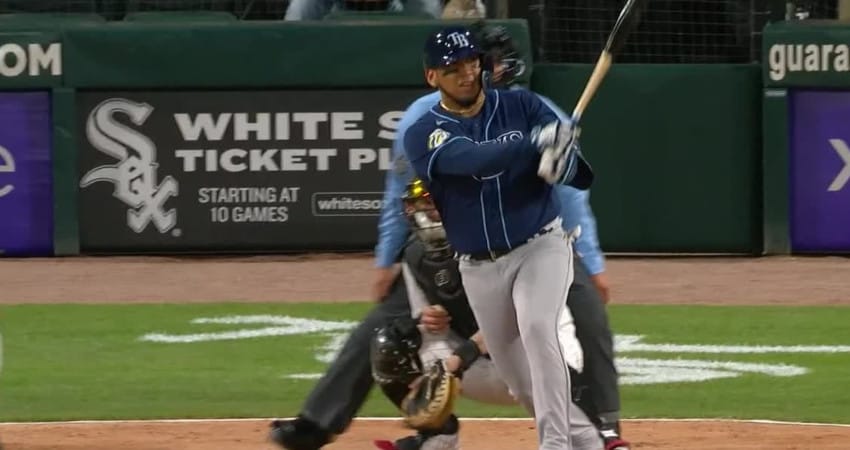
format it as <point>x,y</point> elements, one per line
<point>479,152</point>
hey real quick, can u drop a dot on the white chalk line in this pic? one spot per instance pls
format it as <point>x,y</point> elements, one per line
<point>392,419</point>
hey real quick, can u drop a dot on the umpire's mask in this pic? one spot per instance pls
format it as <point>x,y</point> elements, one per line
<point>424,218</point>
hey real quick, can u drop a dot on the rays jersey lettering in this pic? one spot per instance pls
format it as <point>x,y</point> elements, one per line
<point>439,136</point>
<point>505,137</point>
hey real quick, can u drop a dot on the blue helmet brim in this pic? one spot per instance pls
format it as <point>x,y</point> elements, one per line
<point>455,56</point>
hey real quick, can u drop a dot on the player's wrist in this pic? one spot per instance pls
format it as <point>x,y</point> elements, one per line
<point>468,352</point>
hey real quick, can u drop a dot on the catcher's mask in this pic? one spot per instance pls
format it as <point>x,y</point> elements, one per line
<point>424,218</point>
<point>394,353</point>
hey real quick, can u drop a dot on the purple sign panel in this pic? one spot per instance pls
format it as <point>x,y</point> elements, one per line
<point>26,198</point>
<point>820,171</point>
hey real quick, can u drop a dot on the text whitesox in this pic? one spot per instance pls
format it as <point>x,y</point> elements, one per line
<point>280,127</point>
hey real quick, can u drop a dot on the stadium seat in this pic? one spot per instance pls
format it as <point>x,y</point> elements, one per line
<point>182,5</point>
<point>180,16</point>
<point>48,6</point>
<point>39,21</point>
<point>354,15</point>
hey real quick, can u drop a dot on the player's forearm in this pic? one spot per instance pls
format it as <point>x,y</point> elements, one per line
<point>390,241</point>
<point>392,231</point>
<point>571,166</point>
<point>392,228</point>
<point>464,157</point>
<point>478,338</point>
<point>469,351</point>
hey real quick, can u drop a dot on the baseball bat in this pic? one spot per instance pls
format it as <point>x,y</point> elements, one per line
<point>626,21</point>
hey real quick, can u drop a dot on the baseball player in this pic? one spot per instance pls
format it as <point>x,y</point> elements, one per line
<point>339,394</point>
<point>490,159</point>
<point>442,328</point>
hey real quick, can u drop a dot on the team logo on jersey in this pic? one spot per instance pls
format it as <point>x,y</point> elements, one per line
<point>442,277</point>
<point>436,138</point>
<point>134,172</point>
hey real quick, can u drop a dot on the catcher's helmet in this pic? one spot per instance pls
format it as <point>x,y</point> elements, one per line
<point>450,45</point>
<point>499,48</point>
<point>394,352</point>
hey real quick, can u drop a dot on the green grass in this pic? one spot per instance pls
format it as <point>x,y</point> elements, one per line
<point>64,362</point>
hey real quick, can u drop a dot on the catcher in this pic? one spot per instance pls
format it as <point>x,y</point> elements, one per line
<point>423,362</point>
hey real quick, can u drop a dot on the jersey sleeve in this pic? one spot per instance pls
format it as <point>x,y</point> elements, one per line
<point>576,211</point>
<point>392,226</point>
<point>435,151</point>
<point>539,112</point>
<point>559,113</point>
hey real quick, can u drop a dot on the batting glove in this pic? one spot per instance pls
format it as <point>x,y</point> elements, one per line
<point>558,134</point>
<point>558,165</point>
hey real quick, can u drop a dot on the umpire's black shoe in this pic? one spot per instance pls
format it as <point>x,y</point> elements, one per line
<point>298,434</point>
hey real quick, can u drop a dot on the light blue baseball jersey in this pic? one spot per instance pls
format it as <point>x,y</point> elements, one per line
<point>393,227</point>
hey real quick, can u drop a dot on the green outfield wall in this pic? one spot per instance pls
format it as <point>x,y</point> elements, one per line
<point>677,152</point>
<point>170,136</point>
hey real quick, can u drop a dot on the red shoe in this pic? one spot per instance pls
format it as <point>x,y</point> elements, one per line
<point>610,433</point>
<point>385,445</point>
<point>616,444</point>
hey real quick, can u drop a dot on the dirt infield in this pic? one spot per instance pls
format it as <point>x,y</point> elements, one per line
<point>763,281</point>
<point>330,278</point>
<point>477,435</point>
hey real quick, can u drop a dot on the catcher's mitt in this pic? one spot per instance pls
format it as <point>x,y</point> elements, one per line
<point>430,402</point>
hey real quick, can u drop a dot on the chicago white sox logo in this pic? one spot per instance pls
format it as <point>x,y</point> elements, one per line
<point>134,176</point>
<point>458,39</point>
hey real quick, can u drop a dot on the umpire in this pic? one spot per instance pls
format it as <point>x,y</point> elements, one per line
<point>339,394</point>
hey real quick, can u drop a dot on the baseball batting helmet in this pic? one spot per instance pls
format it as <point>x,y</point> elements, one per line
<point>499,48</point>
<point>450,45</point>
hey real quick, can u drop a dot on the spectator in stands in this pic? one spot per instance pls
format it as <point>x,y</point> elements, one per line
<point>318,9</point>
<point>464,9</point>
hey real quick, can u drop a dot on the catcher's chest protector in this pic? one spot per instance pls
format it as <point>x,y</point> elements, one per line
<point>440,280</point>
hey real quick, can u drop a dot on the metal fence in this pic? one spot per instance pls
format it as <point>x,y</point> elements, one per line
<point>671,31</point>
